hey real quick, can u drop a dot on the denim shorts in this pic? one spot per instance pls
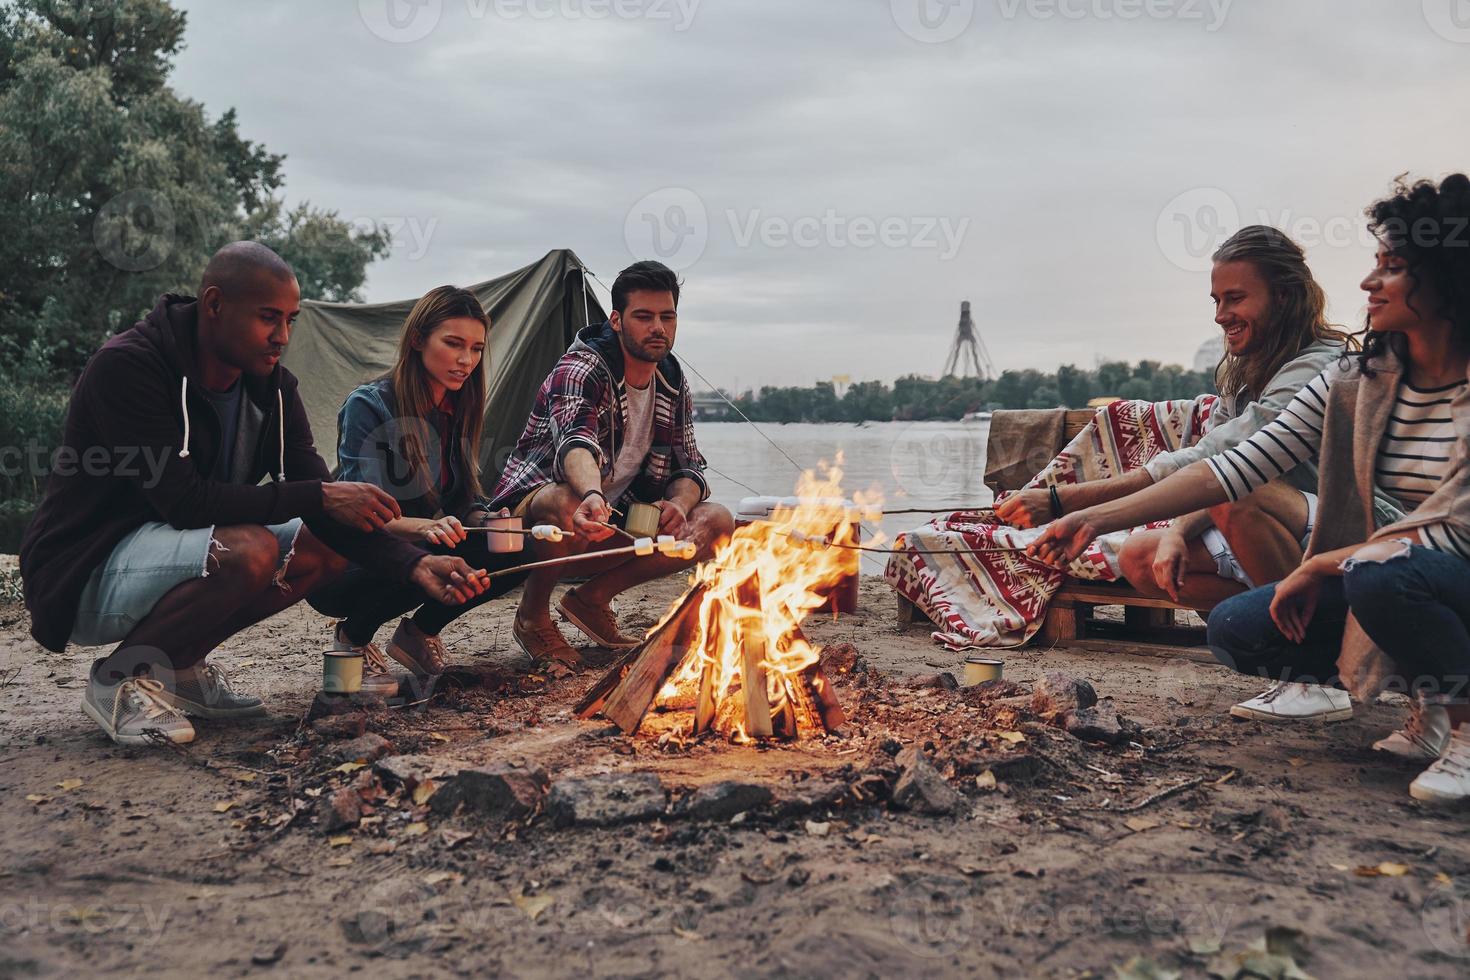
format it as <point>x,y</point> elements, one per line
<point>1227,566</point>
<point>144,567</point>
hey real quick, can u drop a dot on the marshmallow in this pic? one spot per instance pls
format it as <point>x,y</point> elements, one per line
<point>643,546</point>
<point>548,532</point>
<point>688,550</point>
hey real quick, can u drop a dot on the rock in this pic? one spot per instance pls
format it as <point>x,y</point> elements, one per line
<point>839,659</point>
<point>1058,693</point>
<point>327,705</point>
<point>1099,723</point>
<point>604,801</point>
<point>938,682</point>
<point>268,955</point>
<point>498,792</point>
<point>813,794</point>
<point>721,801</point>
<point>798,877</point>
<point>366,748</point>
<point>890,746</point>
<point>341,726</point>
<point>992,691</point>
<point>409,770</point>
<point>921,788</point>
<point>1007,767</point>
<point>339,811</point>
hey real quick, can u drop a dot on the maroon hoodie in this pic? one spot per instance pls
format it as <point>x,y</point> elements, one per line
<point>137,405</point>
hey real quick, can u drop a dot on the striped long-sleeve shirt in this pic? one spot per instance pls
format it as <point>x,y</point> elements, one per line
<point>1415,456</point>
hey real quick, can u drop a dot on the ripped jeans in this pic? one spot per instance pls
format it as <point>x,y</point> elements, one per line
<point>1414,606</point>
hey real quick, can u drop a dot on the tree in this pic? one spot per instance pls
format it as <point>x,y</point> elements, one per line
<point>114,188</point>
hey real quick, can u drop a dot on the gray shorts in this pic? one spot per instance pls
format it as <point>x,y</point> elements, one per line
<point>1227,566</point>
<point>147,565</point>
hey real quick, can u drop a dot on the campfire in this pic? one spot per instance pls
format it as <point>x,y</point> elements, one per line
<point>730,655</point>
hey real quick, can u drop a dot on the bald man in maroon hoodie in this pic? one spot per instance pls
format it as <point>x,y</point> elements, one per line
<point>187,502</point>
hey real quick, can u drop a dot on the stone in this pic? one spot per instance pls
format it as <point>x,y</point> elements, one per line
<point>268,955</point>
<point>1099,723</point>
<point>327,705</point>
<point>890,746</point>
<point>408,770</point>
<point>812,794</point>
<point>937,682</point>
<point>339,811</point>
<point>921,788</point>
<point>721,801</point>
<point>352,725</point>
<point>365,749</point>
<point>839,659</point>
<point>605,801</point>
<point>1058,693</point>
<point>1007,767</point>
<point>498,792</point>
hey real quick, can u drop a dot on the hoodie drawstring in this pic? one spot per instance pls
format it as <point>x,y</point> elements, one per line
<point>184,404</point>
<point>281,434</point>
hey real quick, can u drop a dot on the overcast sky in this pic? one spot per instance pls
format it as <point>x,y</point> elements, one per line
<point>834,176</point>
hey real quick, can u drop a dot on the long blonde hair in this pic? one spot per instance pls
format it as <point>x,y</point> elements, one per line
<point>412,394</point>
<point>1298,309</point>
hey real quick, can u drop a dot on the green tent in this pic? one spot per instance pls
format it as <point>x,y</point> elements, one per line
<point>534,313</point>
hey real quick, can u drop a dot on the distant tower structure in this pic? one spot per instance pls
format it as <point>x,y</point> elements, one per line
<point>969,350</point>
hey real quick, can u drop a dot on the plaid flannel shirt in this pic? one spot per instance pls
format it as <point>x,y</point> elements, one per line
<point>583,404</point>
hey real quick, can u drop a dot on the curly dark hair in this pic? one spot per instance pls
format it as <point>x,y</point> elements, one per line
<point>1428,226</point>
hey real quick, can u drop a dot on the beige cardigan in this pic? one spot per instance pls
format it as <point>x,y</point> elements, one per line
<point>1357,415</point>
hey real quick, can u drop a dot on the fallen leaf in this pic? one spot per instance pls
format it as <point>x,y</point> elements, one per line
<point>1387,870</point>
<point>416,829</point>
<point>349,767</point>
<point>344,841</point>
<point>67,785</point>
<point>1296,763</point>
<point>245,777</point>
<point>687,933</point>
<point>224,807</point>
<point>379,848</point>
<point>817,829</point>
<point>37,798</point>
<point>1015,738</point>
<point>437,877</point>
<point>340,862</point>
<point>454,838</point>
<point>985,781</point>
<point>438,737</point>
<point>423,791</point>
<point>1341,867</point>
<point>1139,824</point>
<point>245,663</point>
<point>974,870</point>
<point>533,905</point>
<point>313,792</point>
<point>1444,879</point>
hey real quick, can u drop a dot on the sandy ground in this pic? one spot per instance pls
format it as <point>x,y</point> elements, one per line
<point>176,863</point>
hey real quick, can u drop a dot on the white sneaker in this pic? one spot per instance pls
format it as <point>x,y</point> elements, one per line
<point>1289,701</point>
<point>1447,781</point>
<point>133,712</point>
<point>377,677</point>
<point>1424,736</point>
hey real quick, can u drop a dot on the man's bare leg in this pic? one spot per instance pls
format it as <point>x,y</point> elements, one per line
<point>556,505</point>
<point>708,525</point>
<point>312,565</point>
<point>1203,587</point>
<point>1265,531</point>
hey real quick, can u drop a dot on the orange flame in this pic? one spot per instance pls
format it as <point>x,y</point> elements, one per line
<point>761,586</point>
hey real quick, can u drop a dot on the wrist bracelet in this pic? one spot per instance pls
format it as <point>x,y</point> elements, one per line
<point>1056,502</point>
<point>591,492</point>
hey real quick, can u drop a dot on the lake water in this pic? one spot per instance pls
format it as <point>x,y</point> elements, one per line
<point>938,465</point>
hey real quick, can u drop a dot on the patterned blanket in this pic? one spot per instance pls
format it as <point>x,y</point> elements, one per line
<point>998,596</point>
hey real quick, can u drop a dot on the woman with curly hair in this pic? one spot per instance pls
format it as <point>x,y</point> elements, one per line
<point>1366,609</point>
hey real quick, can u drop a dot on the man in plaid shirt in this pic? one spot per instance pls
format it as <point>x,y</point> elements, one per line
<point>613,425</point>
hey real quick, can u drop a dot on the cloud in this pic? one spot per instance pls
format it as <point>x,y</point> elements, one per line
<point>1057,140</point>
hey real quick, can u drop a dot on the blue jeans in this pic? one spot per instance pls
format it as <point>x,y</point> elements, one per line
<point>1415,607</point>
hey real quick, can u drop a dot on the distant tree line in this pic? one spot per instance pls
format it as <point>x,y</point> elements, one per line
<point>915,398</point>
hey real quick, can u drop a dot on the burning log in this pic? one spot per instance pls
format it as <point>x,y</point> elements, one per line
<point>626,691</point>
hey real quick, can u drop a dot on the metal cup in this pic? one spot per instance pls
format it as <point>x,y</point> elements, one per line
<point>642,520</point>
<point>341,672</point>
<point>978,670</point>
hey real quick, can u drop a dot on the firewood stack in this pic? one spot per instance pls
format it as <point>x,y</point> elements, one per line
<point>805,702</point>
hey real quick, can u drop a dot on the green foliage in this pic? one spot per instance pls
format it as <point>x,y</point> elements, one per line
<point>916,399</point>
<point>115,189</point>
